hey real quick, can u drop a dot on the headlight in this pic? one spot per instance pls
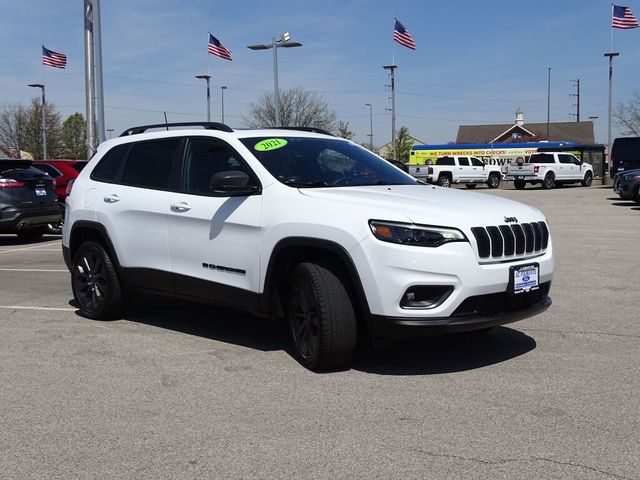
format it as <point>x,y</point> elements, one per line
<point>415,235</point>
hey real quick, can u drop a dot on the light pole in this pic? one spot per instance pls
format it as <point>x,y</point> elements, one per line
<point>222,89</point>
<point>391,69</point>
<point>283,41</point>
<point>548,99</point>
<point>610,55</point>
<point>208,79</point>
<point>370,125</point>
<point>44,123</point>
<point>110,131</point>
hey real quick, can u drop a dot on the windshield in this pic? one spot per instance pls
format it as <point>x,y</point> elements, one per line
<point>323,162</point>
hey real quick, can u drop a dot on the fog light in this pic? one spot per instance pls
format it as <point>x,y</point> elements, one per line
<point>425,296</point>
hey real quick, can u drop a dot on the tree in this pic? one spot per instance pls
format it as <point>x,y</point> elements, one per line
<point>344,131</point>
<point>404,143</point>
<point>298,108</point>
<point>21,129</point>
<point>628,116</point>
<point>74,136</point>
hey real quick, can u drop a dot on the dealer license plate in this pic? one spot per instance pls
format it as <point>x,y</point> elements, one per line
<point>41,191</point>
<point>519,177</point>
<point>524,278</point>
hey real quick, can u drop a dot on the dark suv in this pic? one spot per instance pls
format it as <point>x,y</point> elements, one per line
<point>27,199</point>
<point>625,155</point>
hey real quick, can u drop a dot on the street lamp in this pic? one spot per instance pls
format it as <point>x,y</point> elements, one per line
<point>208,79</point>
<point>370,125</point>
<point>110,131</point>
<point>222,89</point>
<point>283,41</point>
<point>44,124</point>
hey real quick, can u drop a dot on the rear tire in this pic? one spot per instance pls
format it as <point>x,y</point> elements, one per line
<point>549,181</point>
<point>636,197</point>
<point>470,185</point>
<point>321,318</point>
<point>587,180</point>
<point>95,284</point>
<point>519,184</point>
<point>30,234</point>
<point>444,181</point>
<point>493,181</point>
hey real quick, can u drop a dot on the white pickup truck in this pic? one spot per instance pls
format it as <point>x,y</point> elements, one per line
<point>550,169</point>
<point>468,170</point>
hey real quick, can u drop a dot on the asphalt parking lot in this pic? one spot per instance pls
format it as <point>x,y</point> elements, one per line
<point>177,390</point>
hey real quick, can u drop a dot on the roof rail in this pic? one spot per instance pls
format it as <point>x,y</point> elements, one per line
<point>206,125</point>
<point>306,129</point>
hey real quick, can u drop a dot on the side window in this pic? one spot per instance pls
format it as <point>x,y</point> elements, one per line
<point>204,158</point>
<point>149,164</point>
<point>108,166</point>
<point>463,161</point>
<point>565,158</point>
<point>476,162</point>
<point>444,161</point>
<point>53,172</point>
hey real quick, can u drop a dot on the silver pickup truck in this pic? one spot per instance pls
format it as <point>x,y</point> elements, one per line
<point>550,169</point>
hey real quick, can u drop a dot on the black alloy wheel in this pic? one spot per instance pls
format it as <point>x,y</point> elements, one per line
<point>321,318</point>
<point>95,283</point>
<point>549,181</point>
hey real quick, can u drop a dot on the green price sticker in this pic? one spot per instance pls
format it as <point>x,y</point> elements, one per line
<point>269,144</point>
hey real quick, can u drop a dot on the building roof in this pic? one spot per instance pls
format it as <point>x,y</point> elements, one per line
<point>580,132</point>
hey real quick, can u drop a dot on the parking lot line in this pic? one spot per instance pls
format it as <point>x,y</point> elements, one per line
<point>34,247</point>
<point>31,270</point>
<point>55,309</point>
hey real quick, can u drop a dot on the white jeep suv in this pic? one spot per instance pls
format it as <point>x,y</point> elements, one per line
<point>298,224</point>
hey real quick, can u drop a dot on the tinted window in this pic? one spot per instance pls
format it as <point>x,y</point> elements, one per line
<point>206,157</point>
<point>464,161</point>
<point>149,164</point>
<point>445,161</point>
<point>53,172</point>
<point>323,162</point>
<point>565,158</point>
<point>542,158</point>
<point>108,166</point>
<point>477,162</point>
<point>79,166</point>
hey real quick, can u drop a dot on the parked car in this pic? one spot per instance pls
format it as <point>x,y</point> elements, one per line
<point>455,169</point>
<point>300,225</point>
<point>27,199</point>
<point>627,185</point>
<point>625,155</point>
<point>550,169</point>
<point>63,172</point>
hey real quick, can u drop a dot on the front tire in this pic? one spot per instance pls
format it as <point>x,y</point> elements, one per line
<point>494,180</point>
<point>95,283</point>
<point>321,318</point>
<point>519,184</point>
<point>587,180</point>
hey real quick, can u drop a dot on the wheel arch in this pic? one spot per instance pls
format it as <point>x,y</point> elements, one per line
<point>289,252</point>
<point>84,231</point>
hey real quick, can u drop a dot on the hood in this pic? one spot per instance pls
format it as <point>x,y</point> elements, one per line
<point>427,204</point>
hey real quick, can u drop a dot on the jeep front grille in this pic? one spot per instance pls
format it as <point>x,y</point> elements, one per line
<point>498,242</point>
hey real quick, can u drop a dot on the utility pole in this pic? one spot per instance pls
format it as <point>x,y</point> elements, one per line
<point>41,86</point>
<point>576,83</point>
<point>391,69</point>
<point>93,76</point>
<point>548,99</point>
<point>370,125</point>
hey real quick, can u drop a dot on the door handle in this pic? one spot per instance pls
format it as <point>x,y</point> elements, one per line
<point>113,198</point>
<point>180,207</point>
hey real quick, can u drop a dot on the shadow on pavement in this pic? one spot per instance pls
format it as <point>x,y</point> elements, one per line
<point>12,240</point>
<point>449,353</point>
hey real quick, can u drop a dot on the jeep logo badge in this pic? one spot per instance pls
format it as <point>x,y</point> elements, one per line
<point>510,220</point>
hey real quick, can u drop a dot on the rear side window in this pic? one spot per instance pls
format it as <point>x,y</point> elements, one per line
<point>108,167</point>
<point>464,161</point>
<point>52,171</point>
<point>541,158</point>
<point>149,164</point>
<point>445,161</point>
<point>79,166</point>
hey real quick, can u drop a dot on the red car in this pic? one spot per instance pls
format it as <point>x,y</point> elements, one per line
<point>62,171</point>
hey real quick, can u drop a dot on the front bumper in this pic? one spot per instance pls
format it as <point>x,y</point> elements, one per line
<point>477,317</point>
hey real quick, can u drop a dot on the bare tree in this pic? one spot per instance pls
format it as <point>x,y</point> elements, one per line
<point>21,129</point>
<point>298,108</point>
<point>628,116</point>
<point>344,131</point>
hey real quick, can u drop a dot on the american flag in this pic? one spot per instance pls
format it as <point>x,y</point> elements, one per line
<point>218,49</point>
<point>53,59</point>
<point>402,36</point>
<point>623,18</point>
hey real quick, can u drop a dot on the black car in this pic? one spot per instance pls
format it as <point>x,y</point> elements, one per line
<point>27,199</point>
<point>627,185</point>
<point>625,155</point>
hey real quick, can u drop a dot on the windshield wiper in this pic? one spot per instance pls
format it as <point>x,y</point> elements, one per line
<point>301,184</point>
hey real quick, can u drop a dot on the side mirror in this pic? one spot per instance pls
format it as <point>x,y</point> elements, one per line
<point>232,182</point>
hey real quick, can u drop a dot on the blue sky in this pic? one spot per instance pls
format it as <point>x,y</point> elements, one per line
<point>475,62</point>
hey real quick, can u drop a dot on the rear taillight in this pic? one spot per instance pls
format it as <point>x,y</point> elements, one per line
<point>536,168</point>
<point>69,187</point>
<point>11,183</point>
<point>429,170</point>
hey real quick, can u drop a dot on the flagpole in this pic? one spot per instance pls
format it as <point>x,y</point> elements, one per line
<point>611,31</point>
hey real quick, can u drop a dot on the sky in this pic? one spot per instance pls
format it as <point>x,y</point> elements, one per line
<point>476,62</point>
